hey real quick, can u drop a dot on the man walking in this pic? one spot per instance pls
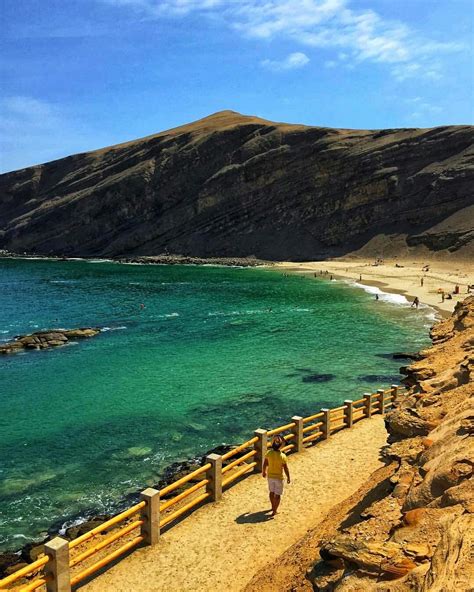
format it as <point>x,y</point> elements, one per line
<point>276,462</point>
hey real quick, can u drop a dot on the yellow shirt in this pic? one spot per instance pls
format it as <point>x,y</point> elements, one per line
<point>276,460</point>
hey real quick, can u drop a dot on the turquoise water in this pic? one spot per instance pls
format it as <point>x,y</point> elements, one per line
<point>214,354</point>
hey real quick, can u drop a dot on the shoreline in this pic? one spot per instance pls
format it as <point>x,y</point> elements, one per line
<point>148,260</point>
<point>396,276</point>
<point>170,473</point>
<point>84,521</point>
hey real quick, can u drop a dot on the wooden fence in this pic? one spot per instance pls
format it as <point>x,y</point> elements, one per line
<point>68,563</point>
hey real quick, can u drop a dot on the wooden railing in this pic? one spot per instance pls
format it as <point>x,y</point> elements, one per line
<point>66,564</point>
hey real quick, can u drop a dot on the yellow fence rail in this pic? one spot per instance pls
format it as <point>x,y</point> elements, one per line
<point>66,563</point>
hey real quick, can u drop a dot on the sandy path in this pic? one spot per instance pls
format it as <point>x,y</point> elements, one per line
<point>402,280</point>
<point>220,547</point>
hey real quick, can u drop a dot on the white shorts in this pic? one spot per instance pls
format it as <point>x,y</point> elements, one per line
<point>275,486</point>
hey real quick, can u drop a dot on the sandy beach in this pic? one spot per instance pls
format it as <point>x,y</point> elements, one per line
<point>223,545</point>
<point>400,277</point>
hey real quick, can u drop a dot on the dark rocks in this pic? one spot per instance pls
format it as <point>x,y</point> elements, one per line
<point>46,339</point>
<point>31,551</point>
<point>415,356</point>
<point>318,378</point>
<point>185,260</point>
<point>7,561</point>
<point>379,378</point>
<point>78,530</point>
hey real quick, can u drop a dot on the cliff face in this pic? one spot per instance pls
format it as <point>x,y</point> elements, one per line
<point>420,536</point>
<point>230,185</point>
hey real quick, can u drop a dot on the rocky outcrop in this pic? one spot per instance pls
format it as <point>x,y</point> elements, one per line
<point>234,186</point>
<point>45,339</point>
<point>420,536</point>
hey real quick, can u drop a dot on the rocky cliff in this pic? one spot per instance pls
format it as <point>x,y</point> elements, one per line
<point>421,536</point>
<point>231,185</point>
<point>412,526</point>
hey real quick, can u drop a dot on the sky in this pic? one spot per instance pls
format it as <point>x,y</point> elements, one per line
<point>76,75</point>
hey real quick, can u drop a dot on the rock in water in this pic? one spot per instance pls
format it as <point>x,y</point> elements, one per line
<point>46,339</point>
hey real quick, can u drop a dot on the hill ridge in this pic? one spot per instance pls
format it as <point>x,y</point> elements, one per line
<point>237,185</point>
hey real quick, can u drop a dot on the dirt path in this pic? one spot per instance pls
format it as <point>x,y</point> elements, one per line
<point>221,546</point>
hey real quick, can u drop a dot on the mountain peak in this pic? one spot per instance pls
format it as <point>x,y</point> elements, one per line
<point>218,121</point>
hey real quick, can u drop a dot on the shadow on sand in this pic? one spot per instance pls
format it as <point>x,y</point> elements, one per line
<point>254,517</point>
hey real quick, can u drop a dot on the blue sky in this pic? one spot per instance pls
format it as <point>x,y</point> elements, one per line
<point>76,75</point>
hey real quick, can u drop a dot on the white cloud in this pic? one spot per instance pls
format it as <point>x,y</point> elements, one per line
<point>28,107</point>
<point>405,71</point>
<point>357,35</point>
<point>421,109</point>
<point>293,61</point>
<point>167,7</point>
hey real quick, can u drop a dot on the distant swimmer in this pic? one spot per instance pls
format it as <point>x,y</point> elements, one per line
<point>415,302</point>
<point>330,278</point>
<point>376,296</point>
<point>142,306</point>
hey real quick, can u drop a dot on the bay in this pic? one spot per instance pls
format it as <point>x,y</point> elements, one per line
<point>188,358</point>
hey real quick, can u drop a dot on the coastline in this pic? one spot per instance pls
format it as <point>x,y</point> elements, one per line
<point>312,267</point>
<point>397,276</point>
<point>73,526</point>
<point>162,259</point>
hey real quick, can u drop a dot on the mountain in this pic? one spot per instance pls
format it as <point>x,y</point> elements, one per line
<point>233,185</point>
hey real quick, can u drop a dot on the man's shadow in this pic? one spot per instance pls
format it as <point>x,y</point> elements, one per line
<point>254,517</point>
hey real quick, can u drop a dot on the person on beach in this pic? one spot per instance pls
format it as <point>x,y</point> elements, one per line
<point>274,464</point>
<point>421,282</point>
<point>415,302</point>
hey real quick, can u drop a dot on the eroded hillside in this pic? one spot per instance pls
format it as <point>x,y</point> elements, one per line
<point>231,185</point>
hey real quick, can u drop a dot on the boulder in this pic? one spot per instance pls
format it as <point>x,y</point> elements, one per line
<point>407,423</point>
<point>9,561</point>
<point>46,339</point>
<point>391,560</point>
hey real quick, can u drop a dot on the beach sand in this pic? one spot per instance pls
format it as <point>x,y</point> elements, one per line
<point>224,544</point>
<point>399,276</point>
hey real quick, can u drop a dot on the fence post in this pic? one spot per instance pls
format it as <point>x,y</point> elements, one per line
<point>394,393</point>
<point>298,432</point>
<point>150,515</point>
<point>326,427</point>
<point>349,412</point>
<point>57,572</point>
<point>261,448</point>
<point>214,474</point>
<point>368,404</point>
<point>381,397</point>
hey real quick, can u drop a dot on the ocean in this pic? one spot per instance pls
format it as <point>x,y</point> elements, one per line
<point>188,358</point>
